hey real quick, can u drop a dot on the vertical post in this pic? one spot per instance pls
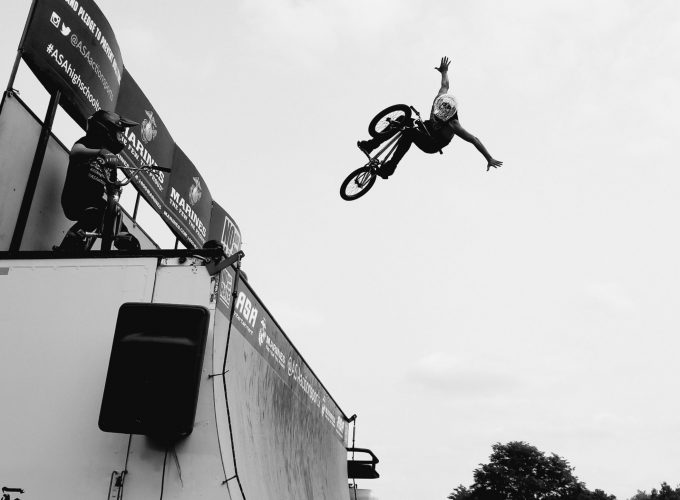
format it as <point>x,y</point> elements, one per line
<point>34,174</point>
<point>15,68</point>
<point>134,213</point>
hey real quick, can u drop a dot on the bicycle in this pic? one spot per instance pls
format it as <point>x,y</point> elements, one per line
<point>395,117</point>
<point>112,220</point>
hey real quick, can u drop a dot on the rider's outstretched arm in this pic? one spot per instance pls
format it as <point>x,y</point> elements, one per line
<point>467,136</point>
<point>444,70</point>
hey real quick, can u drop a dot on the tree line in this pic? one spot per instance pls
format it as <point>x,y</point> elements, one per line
<point>519,471</point>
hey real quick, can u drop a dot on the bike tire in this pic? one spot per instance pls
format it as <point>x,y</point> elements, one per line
<point>357,184</point>
<point>380,124</point>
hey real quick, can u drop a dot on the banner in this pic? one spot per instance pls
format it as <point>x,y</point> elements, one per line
<point>149,143</point>
<point>223,228</point>
<point>253,321</point>
<point>188,202</point>
<point>70,47</point>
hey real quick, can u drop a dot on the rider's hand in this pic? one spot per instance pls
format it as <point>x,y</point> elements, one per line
<point>444,65</point>
<point>493,163</point>
<point>108,159</point>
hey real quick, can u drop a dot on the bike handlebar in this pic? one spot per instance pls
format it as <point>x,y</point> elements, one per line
<point>135,170</point>
<point>155,167</point>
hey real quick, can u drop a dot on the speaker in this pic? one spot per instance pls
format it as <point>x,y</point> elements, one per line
<point>155,370</point>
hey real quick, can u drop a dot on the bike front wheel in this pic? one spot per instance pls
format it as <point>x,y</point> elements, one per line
<point>388,119</point>
<point>357,183</point>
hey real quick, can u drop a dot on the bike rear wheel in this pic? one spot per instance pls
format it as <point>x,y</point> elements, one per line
<point>357,183</point>
<point>388,118</point>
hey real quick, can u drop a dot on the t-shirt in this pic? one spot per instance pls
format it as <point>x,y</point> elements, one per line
<point>85,179</point>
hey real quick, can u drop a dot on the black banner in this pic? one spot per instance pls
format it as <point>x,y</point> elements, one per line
<point>149,143</point>
<point>223,228</point>
<point>188,202</point>
<point>70,47</point>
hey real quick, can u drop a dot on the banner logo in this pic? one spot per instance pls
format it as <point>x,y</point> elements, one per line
<point>149,127</point>
<point>231,237</point>
<point>65,30</point>
<point>195,191</point>
<point>55,19</point>
<point>262,334</point>
<point>226,287</point>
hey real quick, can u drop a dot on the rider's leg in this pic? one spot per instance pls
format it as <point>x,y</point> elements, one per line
<point>87,219</point>
<point>422,140</point>
<point>373,143</point>
<point>367,146</point>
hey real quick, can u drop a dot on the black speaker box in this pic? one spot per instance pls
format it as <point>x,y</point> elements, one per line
<point>155,370</point>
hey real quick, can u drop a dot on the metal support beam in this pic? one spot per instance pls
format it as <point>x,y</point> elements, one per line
<point>34,175</point>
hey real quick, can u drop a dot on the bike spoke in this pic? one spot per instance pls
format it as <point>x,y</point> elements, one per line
<point>389,120</point>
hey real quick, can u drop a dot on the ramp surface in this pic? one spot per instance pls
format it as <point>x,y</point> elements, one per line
<point>281,434</point>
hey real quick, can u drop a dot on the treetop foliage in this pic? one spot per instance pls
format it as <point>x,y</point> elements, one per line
<point>519,471</point>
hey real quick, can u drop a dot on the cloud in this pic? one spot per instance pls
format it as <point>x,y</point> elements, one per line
<point>443,372</point>
<point>293,317</point>
<point>609,296</point>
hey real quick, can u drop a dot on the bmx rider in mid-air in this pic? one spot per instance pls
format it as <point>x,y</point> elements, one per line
<point>441,127</point>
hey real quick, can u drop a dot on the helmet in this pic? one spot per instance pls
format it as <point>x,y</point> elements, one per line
<point>109,127</point>
<point>445,106</point>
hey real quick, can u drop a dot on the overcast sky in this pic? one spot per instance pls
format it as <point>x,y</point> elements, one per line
<point>450,308</point>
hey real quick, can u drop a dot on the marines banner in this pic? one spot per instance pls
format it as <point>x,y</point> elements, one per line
<point>149,143</point>
<point>188,202</point>
<point>70,46</point>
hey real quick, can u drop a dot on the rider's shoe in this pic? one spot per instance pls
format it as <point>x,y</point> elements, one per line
<point>72,242</point>
<point>126,241</point>
<point>386,169</point>
<point>365,147</point>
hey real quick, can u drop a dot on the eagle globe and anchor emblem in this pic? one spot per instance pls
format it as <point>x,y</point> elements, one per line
<point>149,129</point>
<point>195,191</point>
<point>262,333</point>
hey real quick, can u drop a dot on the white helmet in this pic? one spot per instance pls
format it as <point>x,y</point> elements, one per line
<point>445,106</point>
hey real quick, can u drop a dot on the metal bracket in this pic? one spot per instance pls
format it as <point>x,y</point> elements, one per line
<point>116,485</point>
<point>216,267</point>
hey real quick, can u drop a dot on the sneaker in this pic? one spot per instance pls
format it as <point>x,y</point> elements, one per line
<point>386,169</point>
<point>365,147</point>
<point>126,241</point>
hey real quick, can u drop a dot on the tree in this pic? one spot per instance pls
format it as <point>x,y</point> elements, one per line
<point>640,495</point>
<point>519,471</point>
<point>664,493</point>
<point>460,493</point>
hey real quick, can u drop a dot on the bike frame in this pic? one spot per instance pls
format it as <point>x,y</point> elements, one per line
<point>361,180</point>
<point>391,144</point>
<point>112,220</point>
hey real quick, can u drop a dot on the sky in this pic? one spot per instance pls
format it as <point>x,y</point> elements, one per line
<point>450,308</point>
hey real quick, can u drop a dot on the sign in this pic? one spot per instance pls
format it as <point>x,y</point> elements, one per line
<point>149,143</point>
<point>70,47</point>
<point>253,321</point>
<point>188,202</point>
<point>224,229</point>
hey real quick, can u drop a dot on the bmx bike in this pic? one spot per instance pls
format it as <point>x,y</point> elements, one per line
<point>112,219</point>
<point>391,121</point>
